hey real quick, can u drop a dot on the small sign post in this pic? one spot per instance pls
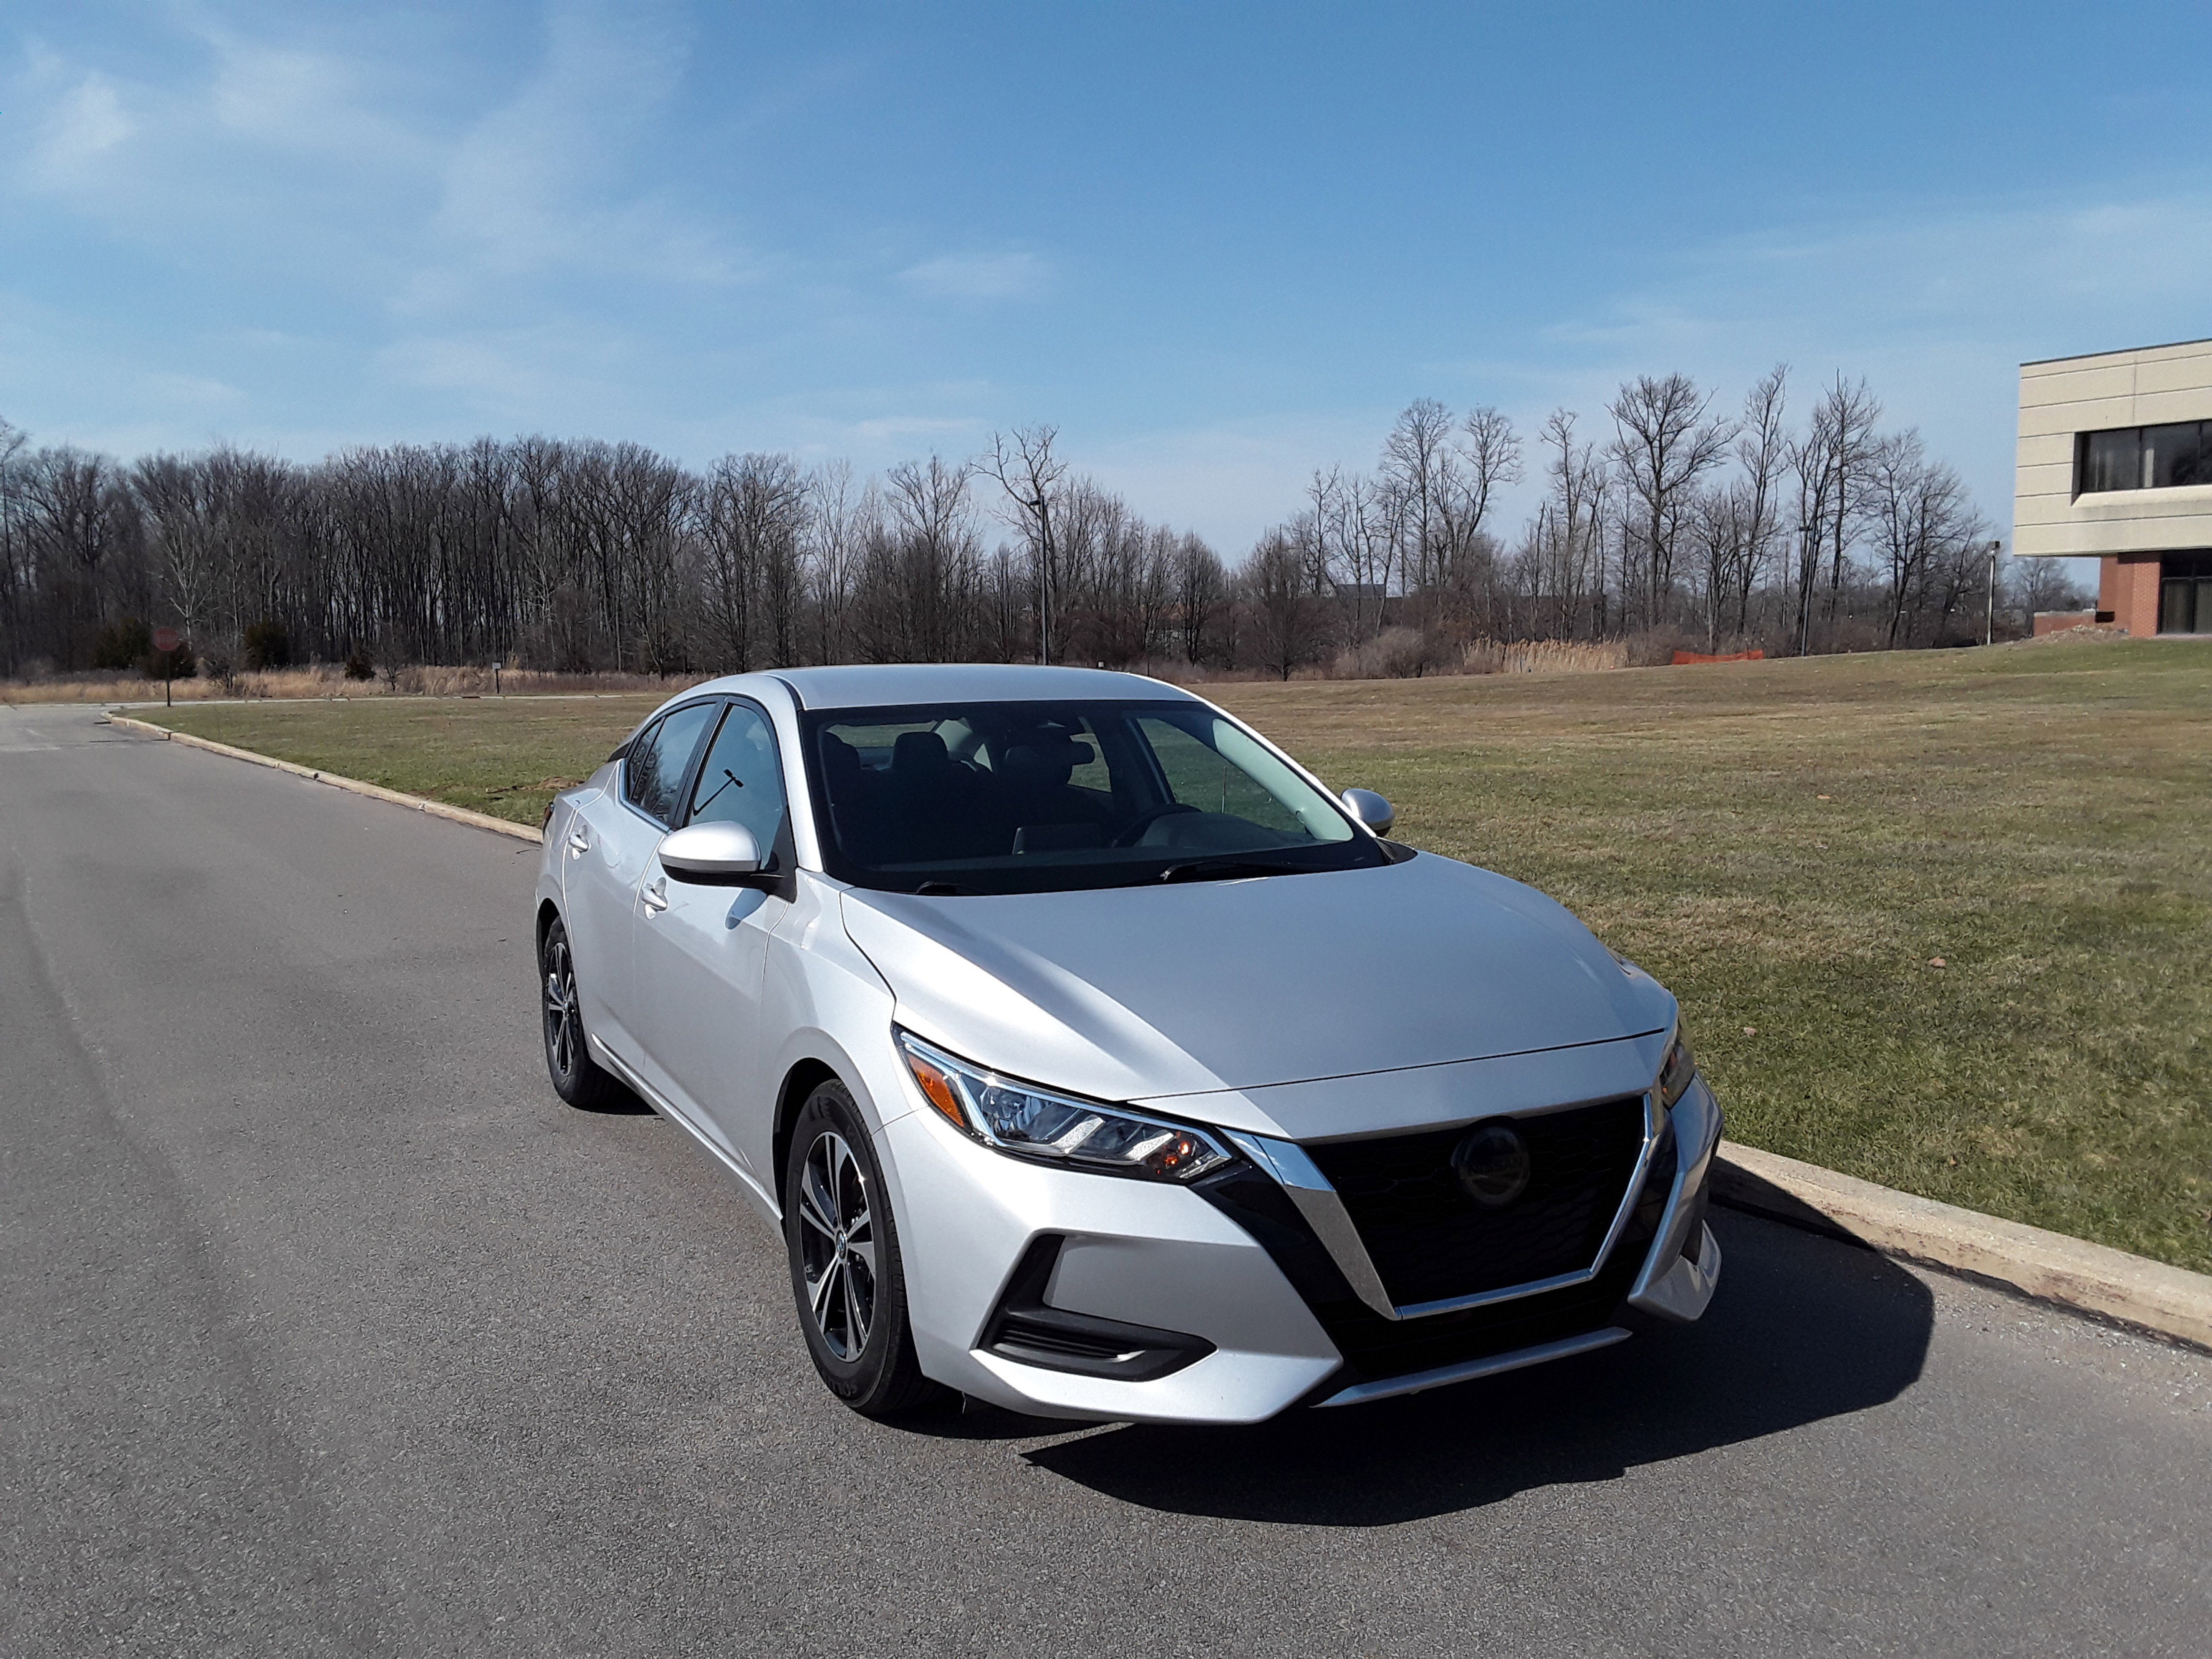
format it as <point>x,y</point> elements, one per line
<point>165,641</point>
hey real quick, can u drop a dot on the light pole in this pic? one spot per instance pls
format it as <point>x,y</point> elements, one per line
<point>1989,611</point>
<point>1804,590</point>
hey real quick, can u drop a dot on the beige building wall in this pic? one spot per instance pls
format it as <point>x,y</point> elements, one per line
<point>2070,395</point>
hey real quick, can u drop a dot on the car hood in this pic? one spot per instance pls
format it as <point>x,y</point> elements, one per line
<point>1142,993</point>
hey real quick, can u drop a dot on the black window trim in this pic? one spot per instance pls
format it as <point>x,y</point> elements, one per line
<point>779,875</point>
<point>684,789</point>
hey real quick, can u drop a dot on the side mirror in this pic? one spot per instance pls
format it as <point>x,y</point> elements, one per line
<point>1370,808</point>
<point>712,855</point>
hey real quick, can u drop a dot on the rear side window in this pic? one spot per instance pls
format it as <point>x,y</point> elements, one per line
<point>658,757</point>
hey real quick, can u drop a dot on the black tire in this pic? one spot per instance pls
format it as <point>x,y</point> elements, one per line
<point>576,1076</point>
<point>845,1274</point>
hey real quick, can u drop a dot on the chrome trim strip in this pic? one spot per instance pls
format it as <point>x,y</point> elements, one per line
<point>1693,1156</point>
<point>1360,1393</point>
<point>1323,1209</point>
<point>1318,1202</point>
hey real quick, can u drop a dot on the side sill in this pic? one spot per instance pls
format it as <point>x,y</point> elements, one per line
<point>645,1092</point>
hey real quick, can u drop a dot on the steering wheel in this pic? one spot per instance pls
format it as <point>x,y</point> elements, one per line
<point>1144,821</point>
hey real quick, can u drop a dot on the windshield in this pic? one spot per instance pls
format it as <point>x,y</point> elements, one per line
<point>1023,798</point>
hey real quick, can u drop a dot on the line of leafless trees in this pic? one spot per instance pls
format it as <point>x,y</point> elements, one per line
<point>1673,520</point>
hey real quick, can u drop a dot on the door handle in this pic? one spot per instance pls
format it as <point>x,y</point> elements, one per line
<point>579,841</point>
<point>655,897</point>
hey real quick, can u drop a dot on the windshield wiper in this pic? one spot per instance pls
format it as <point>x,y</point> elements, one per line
<point>1231,869</point>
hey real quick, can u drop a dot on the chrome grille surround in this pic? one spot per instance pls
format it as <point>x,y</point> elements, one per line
<point>1318,1201</point>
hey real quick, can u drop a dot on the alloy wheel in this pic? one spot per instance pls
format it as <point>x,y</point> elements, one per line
<point>563,1031</point>
<point>837,1245</point>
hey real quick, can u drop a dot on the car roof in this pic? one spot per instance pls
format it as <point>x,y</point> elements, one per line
<point>877,686</point>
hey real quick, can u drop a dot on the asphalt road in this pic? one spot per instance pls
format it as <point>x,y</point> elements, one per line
<point>325,1329</point>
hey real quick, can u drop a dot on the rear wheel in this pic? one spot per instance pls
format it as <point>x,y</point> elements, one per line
<point>845,1273</point>
<point>576,1078</point>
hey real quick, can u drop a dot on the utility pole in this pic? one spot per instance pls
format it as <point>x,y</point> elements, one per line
<point>1805,533</point>
<point>1989,611</point>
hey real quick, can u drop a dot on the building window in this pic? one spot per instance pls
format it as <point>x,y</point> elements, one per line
<point>2143,457</point>
<point>2184,593</point>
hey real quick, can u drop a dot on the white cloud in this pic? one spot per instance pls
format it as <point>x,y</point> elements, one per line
<point>83,127</point>
<point>1010,275</point>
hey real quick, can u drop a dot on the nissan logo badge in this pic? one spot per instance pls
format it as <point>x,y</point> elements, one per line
<point>1492,1165</point>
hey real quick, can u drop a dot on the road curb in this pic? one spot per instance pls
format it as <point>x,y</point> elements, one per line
<point>2150,1296</point>
<point>436,809</point>
<point>2165,1301</point>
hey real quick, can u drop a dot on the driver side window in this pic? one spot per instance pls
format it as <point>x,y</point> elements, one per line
<point>742,782</point>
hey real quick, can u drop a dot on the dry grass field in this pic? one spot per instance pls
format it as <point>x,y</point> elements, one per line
<point>1940,920</point>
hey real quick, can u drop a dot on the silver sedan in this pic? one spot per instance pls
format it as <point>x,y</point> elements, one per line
<point>1093,1060</point>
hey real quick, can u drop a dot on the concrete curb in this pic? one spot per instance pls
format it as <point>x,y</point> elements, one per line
<point>436,809</point>
<point>2169,1301</point>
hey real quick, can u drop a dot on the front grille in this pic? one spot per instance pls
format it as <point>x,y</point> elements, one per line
<point>1375,1348</point>
<point>1430,1242</point>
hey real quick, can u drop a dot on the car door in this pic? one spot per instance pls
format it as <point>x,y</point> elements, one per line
<point>701,951</point>
<point>609,843</point>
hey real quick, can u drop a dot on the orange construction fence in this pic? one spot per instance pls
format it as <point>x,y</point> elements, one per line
<point>1681,657</point>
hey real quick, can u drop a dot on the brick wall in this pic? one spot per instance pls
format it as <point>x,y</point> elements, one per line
<point>2127,587</point>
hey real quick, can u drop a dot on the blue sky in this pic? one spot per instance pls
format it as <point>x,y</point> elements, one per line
<point>1216,246</point>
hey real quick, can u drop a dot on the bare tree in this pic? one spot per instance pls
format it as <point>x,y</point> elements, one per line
<point>752,520</point>
<point>1830,462</point>
<point>1417,464</point>
<point>1438,478</point>
<point>1280,593</point>
<point>1663,443</point>
<point>1030,473</point>
<point>1202,586</point>
<point>1920,516</point>
<point>1762,452</point>
<point>1563,553</point>
<point>832,553</point>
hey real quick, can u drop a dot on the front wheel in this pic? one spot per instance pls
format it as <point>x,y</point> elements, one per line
<point>577,1078</point>
<point>845,1274</point>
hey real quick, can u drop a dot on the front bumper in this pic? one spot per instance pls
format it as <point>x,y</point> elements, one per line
<point>1060,1293</point>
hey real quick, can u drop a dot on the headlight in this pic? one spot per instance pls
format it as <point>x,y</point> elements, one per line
<point>1024,1120</point>
<point>1681,1066</point>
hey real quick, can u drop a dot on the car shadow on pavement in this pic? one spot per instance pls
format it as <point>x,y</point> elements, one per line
<point>1802,1327</point>
<point>619,1101</point>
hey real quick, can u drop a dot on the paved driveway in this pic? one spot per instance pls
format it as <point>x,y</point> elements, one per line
<point>325,1329</point>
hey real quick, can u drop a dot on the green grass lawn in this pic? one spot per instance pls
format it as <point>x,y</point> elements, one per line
<point>1938,920</point>
<point>507,756</point>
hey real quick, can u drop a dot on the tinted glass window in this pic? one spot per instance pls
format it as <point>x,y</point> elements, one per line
<point>741,781</point>
<point>2112,460</point>
<point>2175,455</point>
<point>1032,797</point>
<point>1200,776</point>
<point>2145,457</point>
<point>659,757</point>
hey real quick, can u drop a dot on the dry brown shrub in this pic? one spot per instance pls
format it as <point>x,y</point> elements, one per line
<point>1544,656</point>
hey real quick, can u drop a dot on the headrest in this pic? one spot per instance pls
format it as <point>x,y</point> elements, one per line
<point>840,760</point>
<point>918,753</point>
<point>1048,759</point>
